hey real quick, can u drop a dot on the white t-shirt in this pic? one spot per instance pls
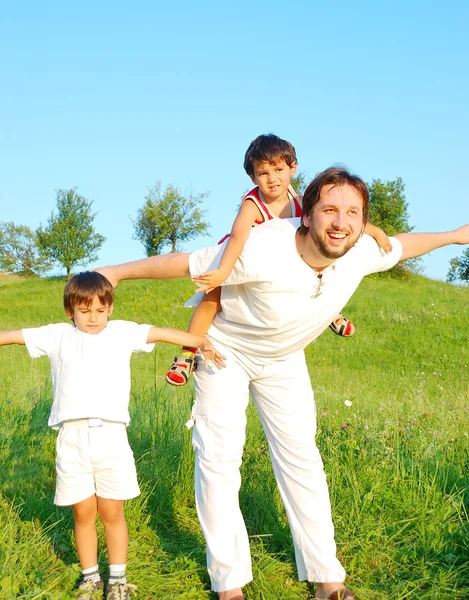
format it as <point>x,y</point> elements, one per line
<point>90,372</point>
<point>270,306</point>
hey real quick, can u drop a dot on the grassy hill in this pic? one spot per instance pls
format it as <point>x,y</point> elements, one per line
<point>397,459</point>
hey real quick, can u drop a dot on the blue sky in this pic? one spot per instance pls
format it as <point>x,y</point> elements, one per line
<point>114,96</point>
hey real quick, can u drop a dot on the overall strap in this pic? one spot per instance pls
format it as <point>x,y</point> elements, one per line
<point>295,202</point>
<point>255,195</point>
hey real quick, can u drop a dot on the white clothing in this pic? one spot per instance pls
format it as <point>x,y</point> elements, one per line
<point>90,372</point>
<point>269,307</point>
<point>94,460</point>
<point>282,393</point>
<point>271,310</point>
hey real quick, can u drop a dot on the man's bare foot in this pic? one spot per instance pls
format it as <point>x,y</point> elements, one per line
<point>235,594</point>
<point>324,590</point>
<point>333,592</point>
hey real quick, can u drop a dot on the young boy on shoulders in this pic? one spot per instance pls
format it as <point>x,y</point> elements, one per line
<point>270,162</point>
<point>90,367</point>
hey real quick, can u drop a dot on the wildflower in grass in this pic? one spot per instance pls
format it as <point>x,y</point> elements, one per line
<point>345,427</point>
<point>324,414</point>
<point>348,402</point>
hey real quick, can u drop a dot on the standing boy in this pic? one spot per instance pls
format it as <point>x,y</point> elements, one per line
<point>90,366</point>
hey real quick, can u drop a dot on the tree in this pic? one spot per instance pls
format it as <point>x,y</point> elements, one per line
<point>459,268</point>
<point>388,210</point>
<point>168,218</point>
<point>19,251</point>
<point>299,183</point>
<point>388,206</point>
<point>69,238</point>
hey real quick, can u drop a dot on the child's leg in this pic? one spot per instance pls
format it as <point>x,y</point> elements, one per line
<point>112,516</point>
<point>199,324</point>
<point>117,541</point>
<point>84,514</point>
<point>86,538</point>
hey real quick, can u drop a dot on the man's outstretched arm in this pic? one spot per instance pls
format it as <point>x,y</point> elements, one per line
<point>417,244</point>
<point>162,266</point>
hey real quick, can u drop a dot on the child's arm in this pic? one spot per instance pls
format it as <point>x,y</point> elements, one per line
<point>14,336</point>
<point>182,338</point>
<point>381,238</point>
<point>248,213</point>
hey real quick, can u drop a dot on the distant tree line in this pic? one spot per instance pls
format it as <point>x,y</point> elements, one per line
<point>68,239</point>
<point>167,219</point>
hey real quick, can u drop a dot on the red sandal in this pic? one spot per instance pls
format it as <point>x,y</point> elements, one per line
<point>342,326</point>
<point>180,370</point>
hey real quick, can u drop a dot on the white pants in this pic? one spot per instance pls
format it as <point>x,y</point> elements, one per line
<point>284,399</point>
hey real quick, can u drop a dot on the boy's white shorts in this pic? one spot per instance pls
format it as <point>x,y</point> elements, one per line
<point>94,457</point>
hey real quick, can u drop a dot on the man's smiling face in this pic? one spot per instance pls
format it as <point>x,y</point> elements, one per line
<point>336,222</point>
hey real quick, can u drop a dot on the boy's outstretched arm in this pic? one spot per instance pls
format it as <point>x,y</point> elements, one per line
<point>381,238</point>
<point>14,336</point>
<point>182,338</point>
<point>247,215</point>
<point>417,244</point>
<point>163,266</point>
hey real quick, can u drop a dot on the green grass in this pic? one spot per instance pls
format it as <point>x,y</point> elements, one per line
<point>397,459</point>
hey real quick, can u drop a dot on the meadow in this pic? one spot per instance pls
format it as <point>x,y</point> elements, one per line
<point>396,453</point>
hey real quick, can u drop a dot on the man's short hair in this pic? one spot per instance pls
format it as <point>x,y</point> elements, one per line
<point>270,148</point>
<point>337,176</point>
<point>83,287</point>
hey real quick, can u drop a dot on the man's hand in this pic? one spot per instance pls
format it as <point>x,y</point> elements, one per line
<point>417,244</point>
<point>210,353</point>
<point>109,273</point>
<point>462,235</point>
<point>210,280</point>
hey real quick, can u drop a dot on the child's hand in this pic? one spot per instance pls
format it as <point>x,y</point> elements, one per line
<point>383,241</point>
<point>381,238</point>
<point>210,353</point>
<point>210,280</point>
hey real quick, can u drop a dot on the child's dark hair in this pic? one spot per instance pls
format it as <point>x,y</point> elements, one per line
<point>83,287</point>
<point>268,147</point>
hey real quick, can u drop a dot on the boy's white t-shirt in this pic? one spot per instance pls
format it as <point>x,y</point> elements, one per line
<point>90,372</point>
<point>270,302</point>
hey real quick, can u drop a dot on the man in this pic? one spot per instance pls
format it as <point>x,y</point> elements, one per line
<point>286,287</point>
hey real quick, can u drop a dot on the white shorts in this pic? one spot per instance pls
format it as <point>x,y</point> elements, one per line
<point>94,460</point>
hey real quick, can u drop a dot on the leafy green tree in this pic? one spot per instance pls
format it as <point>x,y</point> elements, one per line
<point>69,238</point>
<point>168,218</point>
<point>19,251</point>
<point>299,183</point>
<point>389,211</point>
<point>388,206</point>
<point>459,268</point>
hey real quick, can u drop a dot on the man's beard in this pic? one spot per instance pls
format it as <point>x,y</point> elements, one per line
<point>325,250</point>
